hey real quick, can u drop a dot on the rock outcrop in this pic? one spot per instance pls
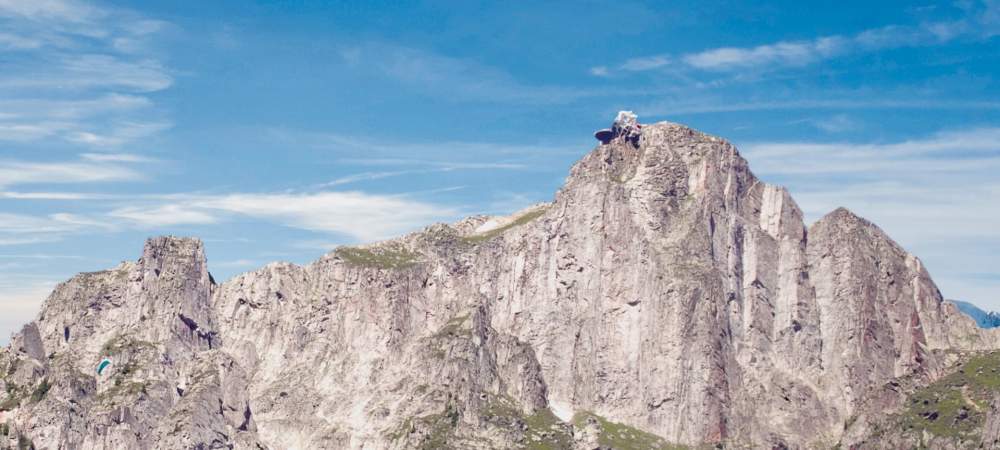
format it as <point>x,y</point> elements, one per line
<point>666,296</point>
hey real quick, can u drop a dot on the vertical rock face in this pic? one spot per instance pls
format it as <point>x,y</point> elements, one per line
<point>886,315</point>
<point>666,296</point>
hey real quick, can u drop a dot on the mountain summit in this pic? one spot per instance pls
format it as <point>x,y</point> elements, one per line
<point>666,297</point>
<point>984,319</point>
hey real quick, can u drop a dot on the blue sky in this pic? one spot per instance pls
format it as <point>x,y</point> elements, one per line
<point>278,130</point>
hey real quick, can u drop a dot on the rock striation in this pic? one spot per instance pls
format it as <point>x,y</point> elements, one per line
<point>666,297</point>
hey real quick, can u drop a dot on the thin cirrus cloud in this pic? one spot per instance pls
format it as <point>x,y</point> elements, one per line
<point>460,79</point>
<point>979,24</point>
<point>23,229</point>
<point>778,54</point>
<point>25,172</point>
<point>72,109</point>
<point>369,176</point>
<point>357,215</point>
<point>21,295</point>
<point>15,195</point>
<point>947,151</point>
<point>711,104</point>
<point>77,74</point>
<point>361,216</point>
<point>101,71</point>
<point>118,134</point>
<point>837,123</point>
<point>116,157</point>
<point>936,187</point>
<point>45,10</point>
<point>89,168</point>
<point>432,156</point>
<point>935,195</point>
<point>14,42</point>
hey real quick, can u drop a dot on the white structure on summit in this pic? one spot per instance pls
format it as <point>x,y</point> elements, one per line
<point>626,125</point>
<point>626,120</point>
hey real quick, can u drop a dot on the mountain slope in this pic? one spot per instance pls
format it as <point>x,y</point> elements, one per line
<point>665,297</point>
<point>983,319</point>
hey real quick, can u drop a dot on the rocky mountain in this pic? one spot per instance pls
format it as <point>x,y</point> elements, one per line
<point>666,298</point>
<point>984,319</point>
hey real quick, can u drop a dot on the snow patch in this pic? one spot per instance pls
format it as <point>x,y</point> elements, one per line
<point>564,411</point>
<point>489,225</point>
<point>494,223</point>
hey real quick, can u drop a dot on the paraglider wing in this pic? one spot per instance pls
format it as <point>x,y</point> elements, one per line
<point>103,365</point>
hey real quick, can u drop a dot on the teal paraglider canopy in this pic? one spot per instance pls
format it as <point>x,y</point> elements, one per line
<point>103,365</point>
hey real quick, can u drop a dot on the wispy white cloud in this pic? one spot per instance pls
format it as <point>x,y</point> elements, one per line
<point>935,195</point>
<point>778,54</point>
<point>21,297</point>
<point>454,78</point>
<point>441,165</point>
<point>29,224</point>
<point>837,123</point>
<point>50,10</point>
<point>26,240</point>
<point>646,63</point>
<point>24,172</point>
<point>116,157</point>
<point>849,100</point>
<point>368,176</point>
<point>978,24</point>
<point>359,215</point>
<point>165,215</point>
<point>23,229</point>
<point>67,109</point>
<point>77,73</point>
<point>15,42</point>
<point>119,133</point>
<point>88,71</point>
<point>15,195</point>
<point>442,154</point>
<point>41,256</point>
<point>950,151</point>
<point>599,71</point>
<point>237,263</point>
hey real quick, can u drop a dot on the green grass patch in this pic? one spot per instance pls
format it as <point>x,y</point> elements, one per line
<point>437,430</point>
<point>542,430</point>
<point>623,437</point>
<point>130,355</point>
<point>120,343</point>
<point>12,367</point>
<point>956,405</point>
<point>41,391</point>
<point>14,396</point>
<point>399,433</point>
<point>524,219</point>
<point>122,391</point>
<point>381,258</point>
<point>454,327</point>
<point>441,429</point>
<point>441,340</point>
<point>10,403</point>
<point>24,443</point>
<point>547,432</point>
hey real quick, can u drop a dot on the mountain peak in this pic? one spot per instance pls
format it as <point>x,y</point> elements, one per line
<point>158,246</point>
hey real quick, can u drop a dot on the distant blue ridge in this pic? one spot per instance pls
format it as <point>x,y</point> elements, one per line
<point>983,318</point>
